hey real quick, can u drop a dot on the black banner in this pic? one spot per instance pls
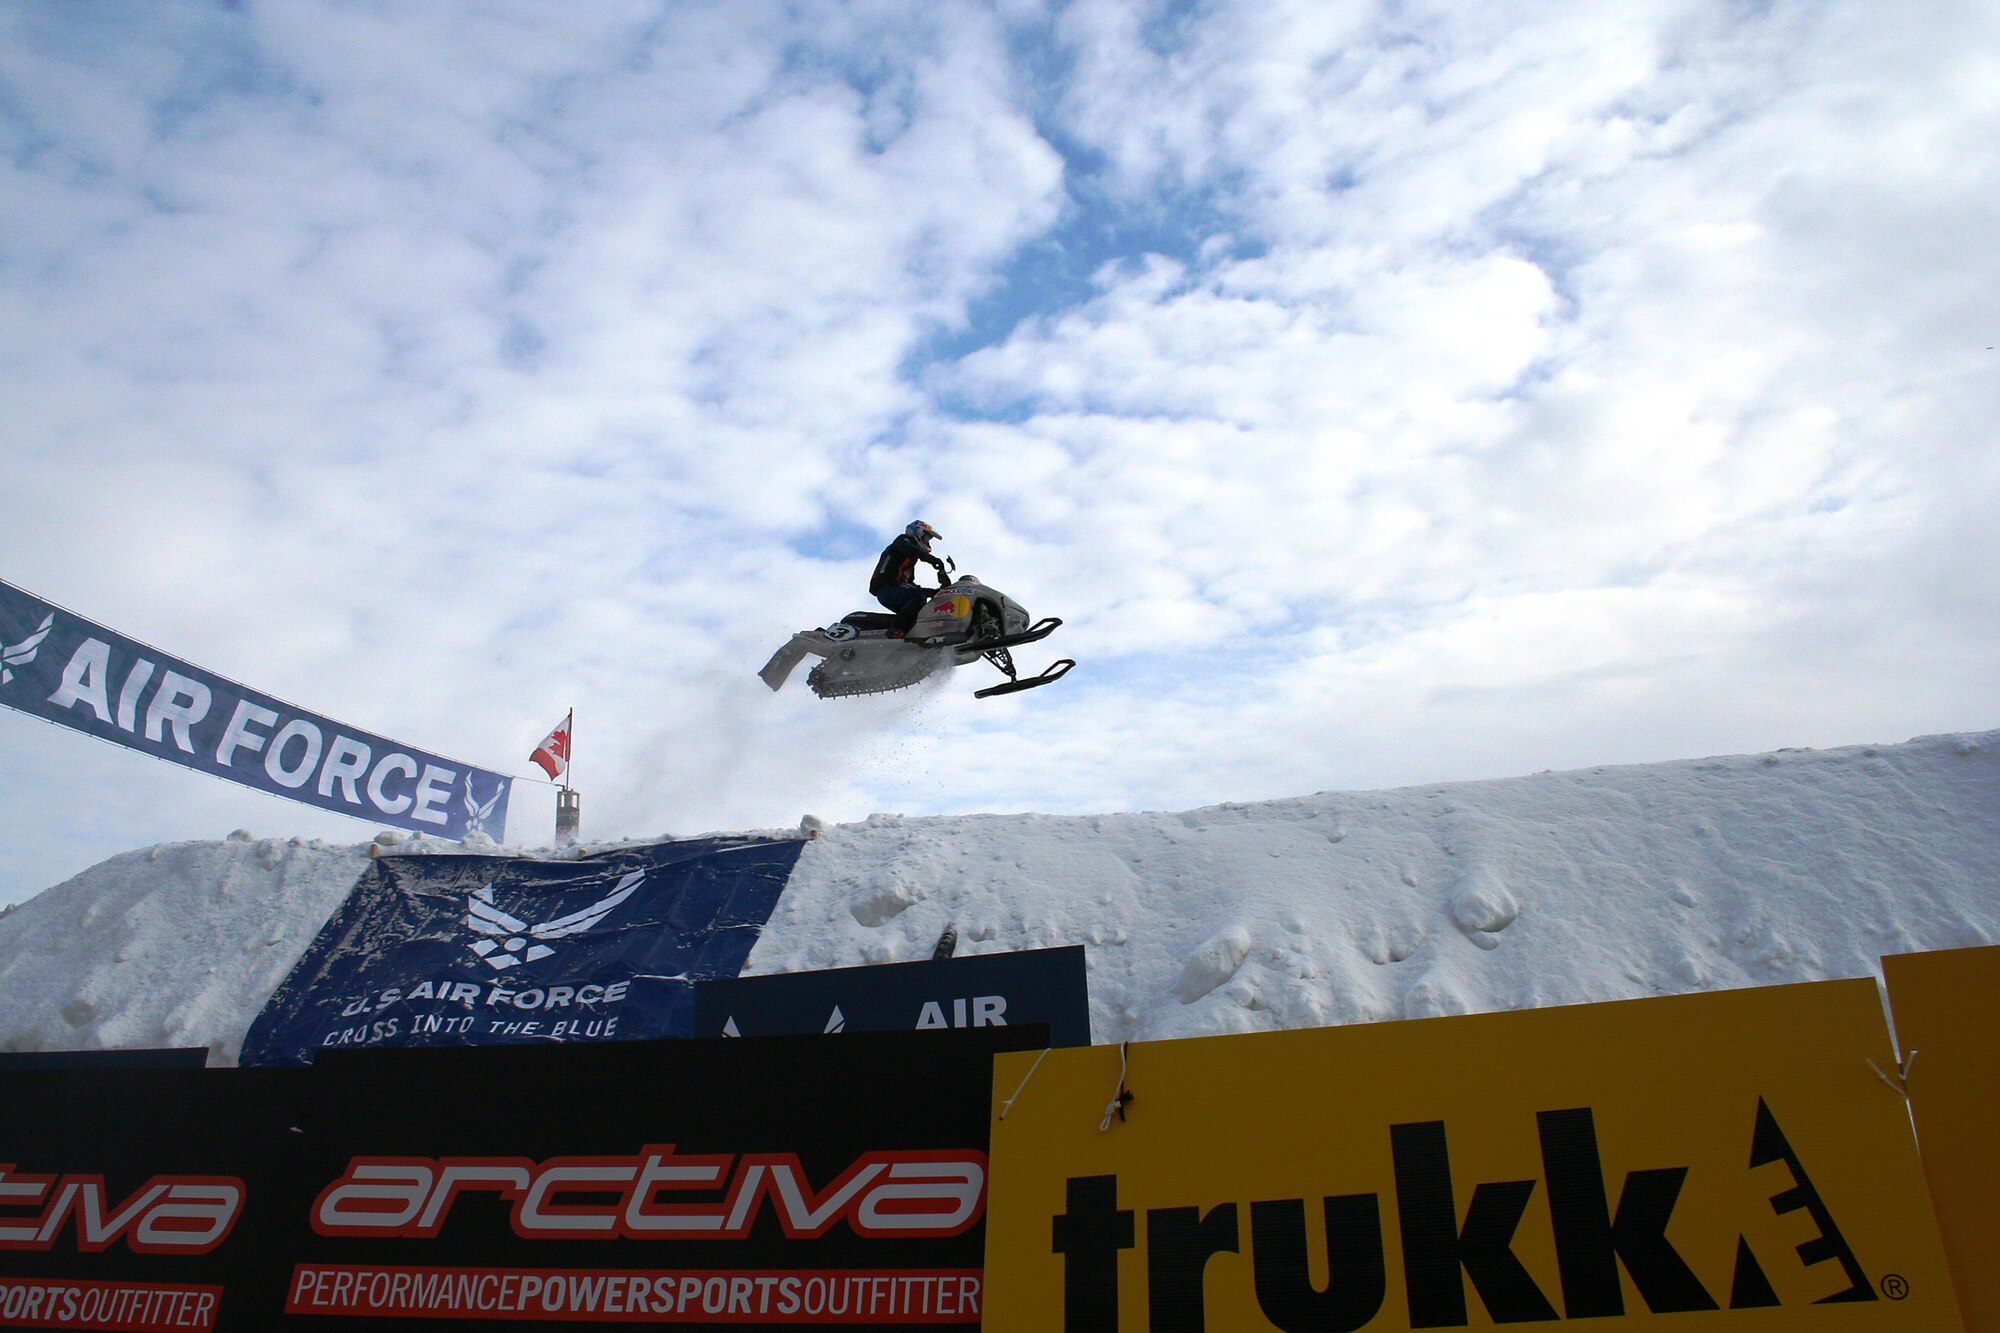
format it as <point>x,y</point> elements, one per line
<point>1045,986</point>
<point>162,1057</point>
<point>782,1183</point>
<point>142,1199</point>
<point>776,1184</point>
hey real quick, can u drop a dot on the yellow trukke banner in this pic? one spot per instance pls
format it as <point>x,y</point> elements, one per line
<point>1947,1008</point>
<point>1728,1160</point>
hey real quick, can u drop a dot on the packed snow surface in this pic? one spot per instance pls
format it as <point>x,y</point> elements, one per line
<point>1560,888</point>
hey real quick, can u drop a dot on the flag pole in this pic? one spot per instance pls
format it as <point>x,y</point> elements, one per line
<point>569,807</point>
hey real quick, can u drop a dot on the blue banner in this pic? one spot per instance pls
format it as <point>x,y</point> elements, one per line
<point>66,670</point>
<point>488,950</point>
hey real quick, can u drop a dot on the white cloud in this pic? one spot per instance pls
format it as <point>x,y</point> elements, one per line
<point>1494,387</point>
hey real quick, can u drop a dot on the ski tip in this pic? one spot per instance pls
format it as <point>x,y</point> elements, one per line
<point>1050,675</point>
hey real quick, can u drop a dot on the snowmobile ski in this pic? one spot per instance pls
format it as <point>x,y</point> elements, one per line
<point>1035,633</point>
<point>1055,671</point>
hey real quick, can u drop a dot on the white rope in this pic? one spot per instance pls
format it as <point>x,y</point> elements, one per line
<point>1901,1083</point>
<point>1118,1094</point>
<point>1008,1105</point>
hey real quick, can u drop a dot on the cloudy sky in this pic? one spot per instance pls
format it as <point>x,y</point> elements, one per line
<point>1383,391</point>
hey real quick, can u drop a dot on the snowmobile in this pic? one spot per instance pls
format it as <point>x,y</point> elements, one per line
<point>870,652</point>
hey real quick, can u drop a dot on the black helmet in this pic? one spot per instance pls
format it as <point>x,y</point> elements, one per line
<point>923,534</point>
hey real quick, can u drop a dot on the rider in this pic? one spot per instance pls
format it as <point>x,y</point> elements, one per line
<point>894,581</point>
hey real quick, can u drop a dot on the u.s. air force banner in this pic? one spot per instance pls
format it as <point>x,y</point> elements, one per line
<point>69,671</point>
<point>449,950</point>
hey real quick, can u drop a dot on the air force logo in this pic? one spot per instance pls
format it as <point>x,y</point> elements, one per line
<point>477,814</point>
<point>511,941</point>
<point>22,653</point>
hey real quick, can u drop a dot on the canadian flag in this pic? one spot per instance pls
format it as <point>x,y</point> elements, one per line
<point>553,753</point>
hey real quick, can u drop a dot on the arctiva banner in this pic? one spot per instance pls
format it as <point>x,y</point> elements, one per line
<point>143,1199</point>
<point>486,950</point>
<point>783,1183</point>
<point>779,1183</point>
<point>66,670</point>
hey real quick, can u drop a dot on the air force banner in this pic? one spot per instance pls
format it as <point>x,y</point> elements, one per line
<point>448,950</point>
<point>68,671</point>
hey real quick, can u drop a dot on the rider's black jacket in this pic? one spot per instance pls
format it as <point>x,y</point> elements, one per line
<point>899,563</point>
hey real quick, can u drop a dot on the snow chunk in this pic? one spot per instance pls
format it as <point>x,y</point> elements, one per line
<point>1213,963</point>
<point>1481,901</point>
<point>885,901</point>
<point>1386,942</point>
<point>1436,997</point>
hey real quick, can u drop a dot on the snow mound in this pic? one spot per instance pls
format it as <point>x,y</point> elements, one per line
<point>175,945</point>
<point>1560,888</point>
